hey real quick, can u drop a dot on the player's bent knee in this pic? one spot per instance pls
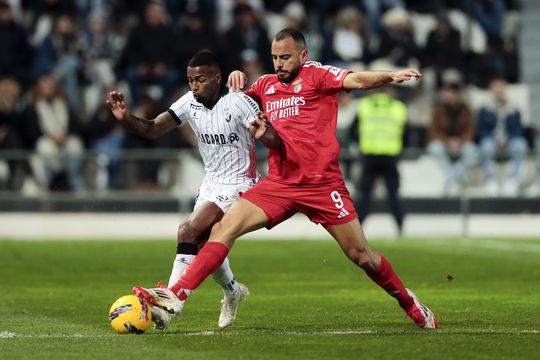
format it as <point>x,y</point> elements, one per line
<point>187,233</point>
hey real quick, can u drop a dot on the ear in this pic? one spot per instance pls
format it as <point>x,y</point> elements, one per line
<point>304,55</point>
<point>218,77</point>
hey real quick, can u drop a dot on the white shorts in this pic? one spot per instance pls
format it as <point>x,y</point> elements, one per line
<point>223,195</point>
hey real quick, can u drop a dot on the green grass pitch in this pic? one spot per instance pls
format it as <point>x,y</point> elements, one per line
<point>307,301</point>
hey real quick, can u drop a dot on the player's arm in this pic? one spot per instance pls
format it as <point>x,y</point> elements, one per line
<point>262,129</point>
<point>150,129</point>
<point>365,80</point>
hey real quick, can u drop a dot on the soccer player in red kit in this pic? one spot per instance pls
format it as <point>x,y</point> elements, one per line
<point>300,101</point>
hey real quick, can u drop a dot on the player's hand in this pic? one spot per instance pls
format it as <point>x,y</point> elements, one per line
<point>117,104</point>
<point>237,80</point>
<point>260,125</point>
<point>404,75</point>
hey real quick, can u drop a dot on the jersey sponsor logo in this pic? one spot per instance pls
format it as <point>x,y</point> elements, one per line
<point>233,137</point>
<point>271,90</point>
<point>284,107</point>
<point>218,139</point>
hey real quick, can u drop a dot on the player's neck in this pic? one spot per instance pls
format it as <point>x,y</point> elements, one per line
<point>212,102</point>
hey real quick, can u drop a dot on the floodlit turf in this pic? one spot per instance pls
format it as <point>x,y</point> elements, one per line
<point>306,302</point>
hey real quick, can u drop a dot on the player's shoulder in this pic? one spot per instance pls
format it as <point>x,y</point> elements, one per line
<point>264,79</point>
<point>183,101</point>
<point>241,98</point>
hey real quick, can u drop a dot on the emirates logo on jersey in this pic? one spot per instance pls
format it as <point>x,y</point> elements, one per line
<point>284,107</point>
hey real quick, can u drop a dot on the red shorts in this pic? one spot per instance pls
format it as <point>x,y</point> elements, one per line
<point>328,204</point>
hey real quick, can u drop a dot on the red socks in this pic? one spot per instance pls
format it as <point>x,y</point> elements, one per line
<point>210,257</point>
<point>386,278</point>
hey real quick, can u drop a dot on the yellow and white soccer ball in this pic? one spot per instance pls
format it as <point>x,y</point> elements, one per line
<point>129,314</point>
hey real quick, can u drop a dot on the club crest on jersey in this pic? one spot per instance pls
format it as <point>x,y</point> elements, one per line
<point>194,110</point>
<point>271,90</point>
<point>297,85</point>
<point>228,116</point>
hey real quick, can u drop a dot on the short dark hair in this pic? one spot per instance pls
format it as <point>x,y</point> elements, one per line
<point>296,35</point>
<point>204,57</point>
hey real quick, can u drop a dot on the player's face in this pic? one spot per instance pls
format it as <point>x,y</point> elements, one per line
<point>204,82</point>
<point>288,59</point>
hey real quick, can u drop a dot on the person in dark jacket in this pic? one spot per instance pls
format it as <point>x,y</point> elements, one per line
<point>499,127</point>
<point>150,54</point>
<point>16,59</point>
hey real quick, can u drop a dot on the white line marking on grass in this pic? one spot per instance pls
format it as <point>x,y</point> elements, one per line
<point>11,335</point>
<point>7,334</point>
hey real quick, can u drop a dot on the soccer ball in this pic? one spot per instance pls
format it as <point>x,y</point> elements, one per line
<point>129,314</point>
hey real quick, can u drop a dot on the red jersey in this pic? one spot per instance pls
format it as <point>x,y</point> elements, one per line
<point>304,114</point>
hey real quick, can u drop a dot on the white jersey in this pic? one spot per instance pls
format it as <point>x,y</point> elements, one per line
<point>225,143</point>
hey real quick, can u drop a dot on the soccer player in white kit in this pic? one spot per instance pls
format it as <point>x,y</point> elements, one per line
<point>226,124</point>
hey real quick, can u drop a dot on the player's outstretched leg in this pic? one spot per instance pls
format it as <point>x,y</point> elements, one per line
<point>351,239</point>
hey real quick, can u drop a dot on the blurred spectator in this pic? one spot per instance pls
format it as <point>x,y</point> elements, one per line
<point>346,119</point>
<point>147,170</point>
<point>59,145</point>
<point>11,117</point>
<point>247,34</point>
<point>100,49</point>
<point>149,56</point>
<point>105,137</point>
<point>205,8</point>
<point>451,134</point>
<point>499,127</point>
<point>252,66</point>
<point>195,34</point>
<point>397,41</point>
<point>381,123</point>
<point>347,44</point>
<point>87,8</point>
<point>490,16</point>
<point>375,8</point>
<point>225,11</point>
<point>58,56</point>
<point>443,47</point>
<point>16,59</point>
<point>44,14</point>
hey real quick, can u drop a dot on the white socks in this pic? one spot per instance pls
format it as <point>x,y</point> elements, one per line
<point>225,278</point>
<point>180,264</point>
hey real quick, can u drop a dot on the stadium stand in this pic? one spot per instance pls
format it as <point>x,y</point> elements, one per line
<point>129,174</point>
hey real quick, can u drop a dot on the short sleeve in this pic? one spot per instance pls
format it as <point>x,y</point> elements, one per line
<point>179,110</point>
<point>331,78</point>
<point>247,109</point>
<point>255,90</point>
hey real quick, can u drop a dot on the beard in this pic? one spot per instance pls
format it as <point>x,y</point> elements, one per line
<point>288,77</point>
